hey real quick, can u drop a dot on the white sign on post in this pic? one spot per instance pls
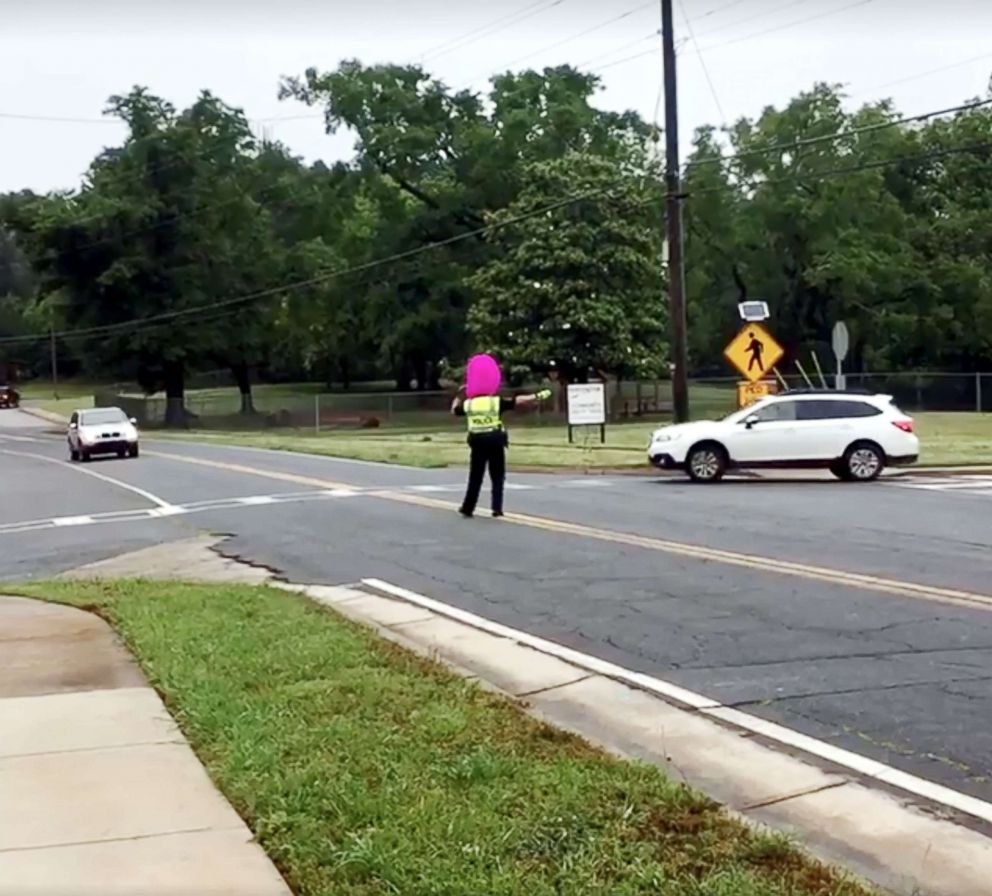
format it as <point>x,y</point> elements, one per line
<point>587,405</point>
<point>840,341</point>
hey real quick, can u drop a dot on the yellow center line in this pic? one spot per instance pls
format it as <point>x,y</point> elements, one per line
<point>757,562</point>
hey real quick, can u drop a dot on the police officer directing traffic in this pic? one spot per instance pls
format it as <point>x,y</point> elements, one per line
<point>487,440</point>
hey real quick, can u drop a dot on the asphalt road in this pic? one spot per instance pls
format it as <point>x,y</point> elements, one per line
<point>901,678</point>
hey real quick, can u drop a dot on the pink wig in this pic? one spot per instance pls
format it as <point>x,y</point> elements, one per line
<point>482,376</point>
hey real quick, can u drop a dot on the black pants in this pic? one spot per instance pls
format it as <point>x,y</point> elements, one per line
<point>487,450</point>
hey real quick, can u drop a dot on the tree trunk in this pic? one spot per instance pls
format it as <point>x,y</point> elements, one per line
<point>561,398</point>
<point>344,365</point>
<point>434,377</point>
<point>420,372</point>
<point>175,395</point>
<point>242,376</point>
<point>403,376</point>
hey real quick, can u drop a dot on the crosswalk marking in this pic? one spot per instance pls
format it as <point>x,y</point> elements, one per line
<point>72,521</point>
<point>959,484</point>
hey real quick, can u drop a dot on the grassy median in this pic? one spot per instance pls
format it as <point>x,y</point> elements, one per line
<point>365,770</point>
<point>947,439</point>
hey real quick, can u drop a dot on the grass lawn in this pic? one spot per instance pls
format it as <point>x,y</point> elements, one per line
<point>947,439</point>
<point>538,446</point>
<point>72,395</point>
<point>955,438</point>
<point>366,771</point>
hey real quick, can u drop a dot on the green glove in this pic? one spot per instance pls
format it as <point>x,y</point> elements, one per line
<point>543,395</point>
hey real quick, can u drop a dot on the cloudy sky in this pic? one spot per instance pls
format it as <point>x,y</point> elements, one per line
<point>61,59</point>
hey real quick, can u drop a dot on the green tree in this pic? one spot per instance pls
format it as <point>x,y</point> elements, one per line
<point>456,163</point>
<point>577,289</point>
<point>809,222</point>
<point>164,225</point>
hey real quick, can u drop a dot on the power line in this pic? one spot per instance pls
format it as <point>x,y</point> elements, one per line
<point>776,28</point>
<point>722,8</point>
<point>786,145</point>
<point>927,73</point>
<point>647,37</point>
<point>702,61</point>
<point>653,51</point>
<point>690,166</point>
<point>753,18</point>
<point>857,168</point>
<point>569,39</point>
<point>434,49</point>
<point>236,304</point>
<point>315,281</point>
<point>488,30</point>
<point>58,119</point>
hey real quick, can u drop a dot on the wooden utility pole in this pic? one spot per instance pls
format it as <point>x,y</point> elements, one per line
<point>673,222</point>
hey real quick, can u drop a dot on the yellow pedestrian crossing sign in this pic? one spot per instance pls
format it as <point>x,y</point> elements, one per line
<point>753,352</point>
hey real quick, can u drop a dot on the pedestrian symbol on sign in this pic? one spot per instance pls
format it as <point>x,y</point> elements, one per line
<point>756,347</point>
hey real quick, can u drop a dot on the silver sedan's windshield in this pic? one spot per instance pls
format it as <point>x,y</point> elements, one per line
<point>102,417</point>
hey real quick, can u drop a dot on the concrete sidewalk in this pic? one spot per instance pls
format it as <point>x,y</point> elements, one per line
<point>101,794</point>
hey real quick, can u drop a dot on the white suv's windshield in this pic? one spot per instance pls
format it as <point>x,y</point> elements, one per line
<point>102,417</point>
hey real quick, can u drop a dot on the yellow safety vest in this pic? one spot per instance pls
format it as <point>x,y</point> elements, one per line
<point>483,414</point>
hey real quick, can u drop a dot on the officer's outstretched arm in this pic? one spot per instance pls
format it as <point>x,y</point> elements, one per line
<point>542,395</point>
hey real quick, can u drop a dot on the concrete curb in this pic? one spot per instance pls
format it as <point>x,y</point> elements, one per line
<point>905,846</point>
<point>49,416</point>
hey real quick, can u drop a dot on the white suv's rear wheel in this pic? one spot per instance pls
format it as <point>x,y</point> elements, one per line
<point>863,462</point>
<point>706,463</point>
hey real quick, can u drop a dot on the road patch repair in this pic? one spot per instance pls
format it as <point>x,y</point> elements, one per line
<point>905,835</point>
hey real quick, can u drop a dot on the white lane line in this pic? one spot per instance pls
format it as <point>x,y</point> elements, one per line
<point>956,485</point>
<point>169,510</point>
<point>774,732</point>
<point>148,496</point>
<point>119,516</point>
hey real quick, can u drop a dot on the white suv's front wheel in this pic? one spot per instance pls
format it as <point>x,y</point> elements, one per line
<point>862,462</point>
<point>706,463</point>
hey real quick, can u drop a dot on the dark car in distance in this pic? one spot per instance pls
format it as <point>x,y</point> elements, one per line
<point>9,397</point>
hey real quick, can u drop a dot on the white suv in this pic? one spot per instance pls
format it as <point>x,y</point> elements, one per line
<point>853,435</point>
<point>102,431</point>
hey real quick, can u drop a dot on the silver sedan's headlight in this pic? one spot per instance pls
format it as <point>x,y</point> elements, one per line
<point>660,437</point>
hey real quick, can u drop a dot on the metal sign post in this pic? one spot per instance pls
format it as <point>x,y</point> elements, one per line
<point>840,341</point>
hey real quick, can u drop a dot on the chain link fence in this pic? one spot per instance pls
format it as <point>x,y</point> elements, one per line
<point>308,406</point>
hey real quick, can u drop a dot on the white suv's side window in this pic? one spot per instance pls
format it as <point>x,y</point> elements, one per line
<point>827,409</point>
<point>779,410</point>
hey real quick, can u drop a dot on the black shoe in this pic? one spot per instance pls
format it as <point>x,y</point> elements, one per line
<point>465,513</point>
<point>497,514</point>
